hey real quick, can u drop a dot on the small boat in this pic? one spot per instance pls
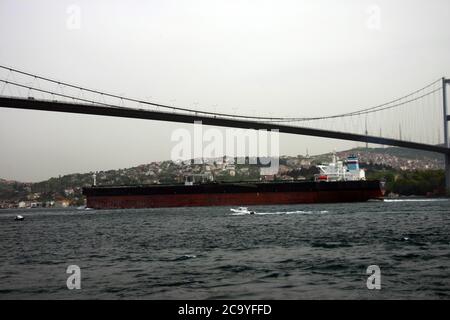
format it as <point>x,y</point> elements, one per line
<point>242,210</point>
<point>84,208</point>
<point>19,218</point>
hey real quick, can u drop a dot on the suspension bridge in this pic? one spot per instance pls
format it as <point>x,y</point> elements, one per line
<point>418,120</point>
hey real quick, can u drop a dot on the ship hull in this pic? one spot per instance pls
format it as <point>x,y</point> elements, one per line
<point>123,197</point>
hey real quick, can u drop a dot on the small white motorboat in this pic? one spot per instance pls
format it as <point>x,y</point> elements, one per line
<point>242,210</point>
<point>19,218</point>
<point>84,208</point>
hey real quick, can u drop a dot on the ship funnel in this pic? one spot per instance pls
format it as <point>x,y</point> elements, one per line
<point>334,156</point>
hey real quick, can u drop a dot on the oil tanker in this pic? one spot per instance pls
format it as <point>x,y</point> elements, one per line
<point>336,182</point>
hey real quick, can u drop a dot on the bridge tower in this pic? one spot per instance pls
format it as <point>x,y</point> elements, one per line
<point>446,142</point>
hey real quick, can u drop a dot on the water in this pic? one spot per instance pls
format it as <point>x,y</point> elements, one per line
<point>282,252</point>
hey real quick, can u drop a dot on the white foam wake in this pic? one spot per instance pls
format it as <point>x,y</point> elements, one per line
<point>282,212</point>
<point>414,200</point>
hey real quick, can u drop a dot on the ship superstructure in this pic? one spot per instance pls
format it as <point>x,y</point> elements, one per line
<point>338,170</point>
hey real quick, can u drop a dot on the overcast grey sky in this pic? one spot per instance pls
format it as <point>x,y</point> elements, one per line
<point>302,58</point>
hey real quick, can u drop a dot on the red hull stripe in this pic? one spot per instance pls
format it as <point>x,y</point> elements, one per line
<point>230,199</point>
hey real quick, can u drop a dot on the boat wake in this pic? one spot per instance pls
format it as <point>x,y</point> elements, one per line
<point>415,200</point>
<point>281,212</point>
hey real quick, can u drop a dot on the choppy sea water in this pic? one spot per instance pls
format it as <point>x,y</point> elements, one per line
<point>316,251</point>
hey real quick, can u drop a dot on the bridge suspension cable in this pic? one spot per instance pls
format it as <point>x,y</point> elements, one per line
<point>376,108</point>
<point>415,117</point>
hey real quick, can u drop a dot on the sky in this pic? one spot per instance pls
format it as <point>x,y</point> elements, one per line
<point>285,58</point>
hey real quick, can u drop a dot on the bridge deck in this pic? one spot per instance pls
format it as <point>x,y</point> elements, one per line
<point>111,111</point>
